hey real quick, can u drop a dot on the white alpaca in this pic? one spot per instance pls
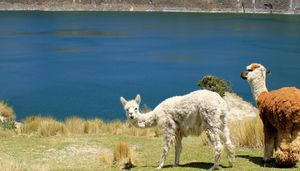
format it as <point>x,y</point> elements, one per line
<point>180,116</point>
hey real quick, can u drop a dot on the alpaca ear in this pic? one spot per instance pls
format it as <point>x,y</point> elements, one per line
<point>138,99</point>
<point>123,101</point>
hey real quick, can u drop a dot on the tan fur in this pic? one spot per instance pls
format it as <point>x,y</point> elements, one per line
<point>254,66</point>
<point>6,111</point>
<point>280,113</point>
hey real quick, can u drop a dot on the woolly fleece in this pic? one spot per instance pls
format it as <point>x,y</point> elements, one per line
<point>280,113</point>
<point>181,116</point>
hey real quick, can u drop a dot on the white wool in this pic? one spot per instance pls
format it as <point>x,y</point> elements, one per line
<point>199,109</point>
<point>180,116</point>
<point>257,80</point>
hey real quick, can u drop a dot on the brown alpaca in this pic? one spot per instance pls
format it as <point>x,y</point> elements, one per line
<point>280,114</point>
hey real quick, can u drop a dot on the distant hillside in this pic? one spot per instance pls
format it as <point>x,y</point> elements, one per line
<point>259,6</point>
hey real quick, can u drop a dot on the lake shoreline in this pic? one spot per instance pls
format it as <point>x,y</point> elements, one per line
<point>132,8</point>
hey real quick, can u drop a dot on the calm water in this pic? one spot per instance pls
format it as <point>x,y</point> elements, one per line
<point>80,63</point>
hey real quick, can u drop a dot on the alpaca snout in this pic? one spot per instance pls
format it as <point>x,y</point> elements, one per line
<point>244,75</point>
<point>130,115</point>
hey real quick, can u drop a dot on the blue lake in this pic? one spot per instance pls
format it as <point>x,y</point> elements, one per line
<point>79,63</point>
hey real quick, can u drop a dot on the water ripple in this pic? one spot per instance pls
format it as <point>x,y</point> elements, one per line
<point>63,33</point>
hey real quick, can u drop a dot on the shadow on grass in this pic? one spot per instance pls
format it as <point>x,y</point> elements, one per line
<point>258,161</point>
<point>198,165</point>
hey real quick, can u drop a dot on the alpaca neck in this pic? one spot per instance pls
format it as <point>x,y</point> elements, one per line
<point>146,120</point>
<point>257,87</point>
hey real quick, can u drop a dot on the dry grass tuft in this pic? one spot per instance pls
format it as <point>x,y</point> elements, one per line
<point>106,159</point>
<point>123,155</point>
<point>244,133</point>
<point>92,126</point>
<point>6,111</point>
<point>121,151</point>
<point>75,125</point>
<point>31,124</point>
<point>44,126</point>
<point>248,132</point>
<point>50,127</point>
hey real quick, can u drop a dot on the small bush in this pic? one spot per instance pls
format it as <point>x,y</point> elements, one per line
<point>215,84</point>
<point>8,124</point>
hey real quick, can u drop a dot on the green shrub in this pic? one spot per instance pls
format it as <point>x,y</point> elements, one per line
<point>216,84</point>
<point>8,124</point>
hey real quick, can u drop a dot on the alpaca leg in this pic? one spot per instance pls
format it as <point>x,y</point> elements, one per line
<point>296,138</point>
<point>213,135</point>
<point>270,136</point>
<point>178,148</point>
<point>168,142</point>
<point>285,157</point>
<point>229,147</point>
<point>295,145</point>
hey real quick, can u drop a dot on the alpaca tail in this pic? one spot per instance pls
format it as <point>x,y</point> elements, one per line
<point>287,155</point>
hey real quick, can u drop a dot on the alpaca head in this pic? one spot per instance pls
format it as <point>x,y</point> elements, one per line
<point>131,107</point>
<point>254,72</point>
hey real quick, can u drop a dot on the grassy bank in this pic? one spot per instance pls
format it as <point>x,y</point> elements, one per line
<point>95,152</point>
<point>76,144</point>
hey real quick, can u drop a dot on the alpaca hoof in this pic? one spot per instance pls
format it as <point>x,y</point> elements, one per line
<point>266,162</point>
<point>214,168</point>
<point>159,167</point>
<point>176,165</point>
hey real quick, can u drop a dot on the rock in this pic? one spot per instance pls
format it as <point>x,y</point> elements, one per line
<point>238,107</point>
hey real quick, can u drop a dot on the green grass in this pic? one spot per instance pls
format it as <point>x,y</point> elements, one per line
<point>82,152</point>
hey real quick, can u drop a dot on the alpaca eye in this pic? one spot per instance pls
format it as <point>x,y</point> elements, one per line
<point>249,70</point>
<point>135,109</point>
<point>127,110</point>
